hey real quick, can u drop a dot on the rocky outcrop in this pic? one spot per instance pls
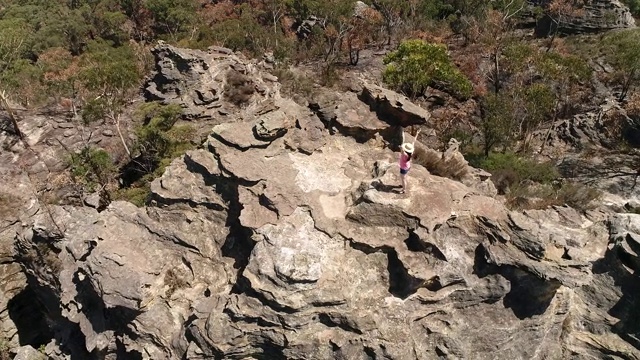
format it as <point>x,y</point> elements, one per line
<point>597,134</point>
<point>615,175</point>
<point>284,239</point>
<point>592,128</point>
<point>345,113</point>
<point>393,106</point>
<point>315,256</point>
<point>201,82</point>
<point>595,16</point>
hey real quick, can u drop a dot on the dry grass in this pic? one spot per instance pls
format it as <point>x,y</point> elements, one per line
<point>433,161</point>
<point>174,282</point>
<point>295,84</point>
<point>239,88</point>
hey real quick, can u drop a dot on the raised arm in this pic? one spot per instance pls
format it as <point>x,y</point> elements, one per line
<point>416,137</point>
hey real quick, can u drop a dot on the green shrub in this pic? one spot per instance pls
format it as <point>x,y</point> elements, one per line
<point>159,116</point>
<point>498,121</point>
<point>182,134</point>
<point>542,196</point>
<point>159,138</point>
<point>634,6</point>
<point>578,196</point>
<point>622,49</point>
<point>418,64</point>
<point>509,169</point>
<point>159,141</point>
<point>92,167</point>
<point>528,184</point>
<point>94,110</point>
<point>135,195</point>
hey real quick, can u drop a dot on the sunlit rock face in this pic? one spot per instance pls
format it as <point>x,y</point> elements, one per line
<point>284,238</point>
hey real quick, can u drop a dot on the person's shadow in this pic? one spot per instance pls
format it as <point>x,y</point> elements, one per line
<point>379,186</point>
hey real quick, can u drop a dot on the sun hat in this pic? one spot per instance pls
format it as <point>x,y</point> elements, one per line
<point>407,147</point>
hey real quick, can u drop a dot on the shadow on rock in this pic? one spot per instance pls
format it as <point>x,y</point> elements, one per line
<point>618,169</point>
<point>617,265</point>
<point>36,311</point>
<point>529,295</point>
<point>28,315</point>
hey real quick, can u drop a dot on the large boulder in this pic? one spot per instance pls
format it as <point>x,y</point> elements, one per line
<point>208,84</point>
<point>345,113</point>
<point>394,108</point>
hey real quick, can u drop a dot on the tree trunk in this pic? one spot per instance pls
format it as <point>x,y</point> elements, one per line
<point>553,122</point>
<point>496,70</point>
<point>354,56</point>
<point>555,33</point>
<point>116,120</point>
<point>14,121</point>
<point>626,85</point>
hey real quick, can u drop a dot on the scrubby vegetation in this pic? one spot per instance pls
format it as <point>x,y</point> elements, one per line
<point>529,184</point>
<point>239,88</point>
<point>159,141</point>
<point>293,84</point>
<point>92,168</point>
<point>89,57</point>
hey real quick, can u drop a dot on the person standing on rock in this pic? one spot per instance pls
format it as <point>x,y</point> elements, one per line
<point>406,152</point>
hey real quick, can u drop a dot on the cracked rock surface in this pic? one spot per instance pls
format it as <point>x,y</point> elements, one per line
<point>278,240</point>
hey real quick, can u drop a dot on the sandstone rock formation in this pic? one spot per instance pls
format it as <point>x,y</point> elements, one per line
<point>595,16</point>
<point>596,133</point>
<point>281,240</point>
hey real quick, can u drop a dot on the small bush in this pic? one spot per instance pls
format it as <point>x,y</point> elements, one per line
<point>92,167</point>
<point>159,138</point>
<point>634,6</point>
<point>160,141</point>
<point>136,195</point>
<point>174,282</point>
<point>43,256</point>
<point>239,88</point>
<point>94,110</point>
<point>433,161</point>
<point>329,75</point>
<point>293,84</point>
<point>578,196</point>
<point>509,170</point>
<point>182,133</point>
<point>158,116</point>
<point>5,353</point>
<point>537,196</point>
